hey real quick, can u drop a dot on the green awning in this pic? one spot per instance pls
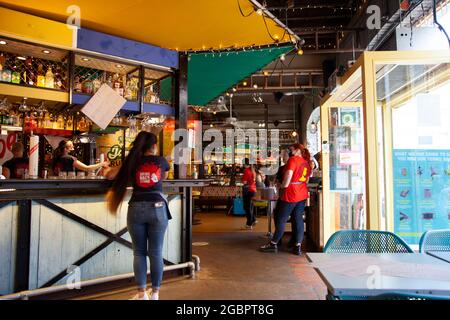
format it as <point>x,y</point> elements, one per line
<point>211,74</point>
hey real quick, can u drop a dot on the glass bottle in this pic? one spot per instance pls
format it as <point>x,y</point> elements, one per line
<point>60,122</point>
<point>47,121</point>
<point>118,86</point>
<point>40,76</point>
<point>109,82</point>
<point>6,73</point>
<point>29,76</point>
<point>97,84</point>
<point>49,78</point>
<point>87,86</point>
<point>2,62</point>
<point>15,75</point>
<point>58,79</point>
<point>69,123</point>
<point>77,84</point>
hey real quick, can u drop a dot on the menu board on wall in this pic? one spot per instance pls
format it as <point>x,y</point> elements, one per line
<point>421,192</point>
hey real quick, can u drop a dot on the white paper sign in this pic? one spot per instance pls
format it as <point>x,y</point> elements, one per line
<point>103,106</point>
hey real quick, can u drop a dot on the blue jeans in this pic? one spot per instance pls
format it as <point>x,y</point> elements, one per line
<point>147,227</point>
<point>248,206</point>
<point>294,210</point>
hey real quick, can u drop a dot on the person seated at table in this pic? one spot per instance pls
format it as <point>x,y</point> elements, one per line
<point>15,168</point>
<point>64,162</point>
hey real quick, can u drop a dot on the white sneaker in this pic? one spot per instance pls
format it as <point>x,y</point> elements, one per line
<point>154,295</point>
<point>137,297</point>
<point>246,227</point>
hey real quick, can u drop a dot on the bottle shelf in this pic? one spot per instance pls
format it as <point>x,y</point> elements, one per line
<point>17,90</point>
<point>50,132</point>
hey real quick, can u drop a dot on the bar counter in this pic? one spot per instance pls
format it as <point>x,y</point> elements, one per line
<point>55,232</point>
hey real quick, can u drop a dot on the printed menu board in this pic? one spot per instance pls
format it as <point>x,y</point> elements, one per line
<point>421,192</point>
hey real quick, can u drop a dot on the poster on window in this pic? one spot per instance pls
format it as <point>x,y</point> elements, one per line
<point>421,192</point>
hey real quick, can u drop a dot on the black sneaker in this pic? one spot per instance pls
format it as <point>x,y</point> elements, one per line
<point>297,250</point>
<point>270,247</point>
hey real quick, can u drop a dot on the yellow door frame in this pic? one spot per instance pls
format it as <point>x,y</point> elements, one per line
<point>364,71</point>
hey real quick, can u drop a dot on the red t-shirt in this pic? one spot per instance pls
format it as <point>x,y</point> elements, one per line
<point>250,179</point>
<point>296,192</point>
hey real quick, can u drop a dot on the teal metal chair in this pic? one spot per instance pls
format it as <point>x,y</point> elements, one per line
<point>435,240</point>
<point>366,241</point>
<point>407,296</point>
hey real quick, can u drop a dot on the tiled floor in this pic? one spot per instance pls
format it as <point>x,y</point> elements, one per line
<point>233,268</point>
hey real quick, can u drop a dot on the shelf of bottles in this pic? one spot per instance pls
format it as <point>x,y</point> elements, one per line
<point>91,73</point>
<point>25,65</point>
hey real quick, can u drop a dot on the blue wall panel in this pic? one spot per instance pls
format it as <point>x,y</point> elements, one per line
<point>128,49</point>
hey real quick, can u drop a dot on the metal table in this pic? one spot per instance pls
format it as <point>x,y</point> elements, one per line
<point>364,275</point>
<point>443,255</point>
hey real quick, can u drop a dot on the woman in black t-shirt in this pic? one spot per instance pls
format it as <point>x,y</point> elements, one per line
<point>64,162</point>
<point>16,167</point>
<point>148,214</point>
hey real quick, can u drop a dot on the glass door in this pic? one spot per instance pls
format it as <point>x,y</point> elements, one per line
<point>346,167</point>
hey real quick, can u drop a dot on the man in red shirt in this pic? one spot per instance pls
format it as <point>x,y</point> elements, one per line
<point>293,198</point>
<point>248,193</point>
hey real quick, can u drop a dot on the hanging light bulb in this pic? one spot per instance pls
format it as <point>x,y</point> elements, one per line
<point>283,57</point>
<point>294,134</point>
<point>259,11</point>
<point>300,52</point>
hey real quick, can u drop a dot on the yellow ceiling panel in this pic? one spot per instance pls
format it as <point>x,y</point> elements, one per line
<point>171,24</point>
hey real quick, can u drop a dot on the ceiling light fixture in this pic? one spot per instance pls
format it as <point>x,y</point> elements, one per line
<point>3,42</point>
<point>283,57</point>
<point>119,66</point>
<point>46,51</point>
<point>85,59</point>
<point>21,58</point>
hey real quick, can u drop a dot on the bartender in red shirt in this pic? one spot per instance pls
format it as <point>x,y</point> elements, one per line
<point>248,193</point>
<point>293,198</point>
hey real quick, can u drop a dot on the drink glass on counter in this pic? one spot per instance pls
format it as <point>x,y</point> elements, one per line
<point>81,175</point>
<point>71,175</point>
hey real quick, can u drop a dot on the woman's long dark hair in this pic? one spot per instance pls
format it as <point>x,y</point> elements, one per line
<point>58,153</point>
<point>143,142</point>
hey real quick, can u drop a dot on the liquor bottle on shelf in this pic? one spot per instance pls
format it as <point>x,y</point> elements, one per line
<point>69,123</point>
<point>29,76</point>
<point>49,78</point>
<point>15,75</point>
<point>77,84</point>
<point>6,73</point>
<point>109,82</point>
<point>47,121</point>
<point>127,90</point>
<point>118,85</point>
<point>40,76</point>
<point>60,122</point>
<point>59,79</point>
<point>97,84</point>
<point>2,62</point>
<point>82,124</point>
<point>87,86</point>
<point>15,119</point>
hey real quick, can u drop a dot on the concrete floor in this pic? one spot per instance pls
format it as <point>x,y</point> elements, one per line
<point>233,268</point>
